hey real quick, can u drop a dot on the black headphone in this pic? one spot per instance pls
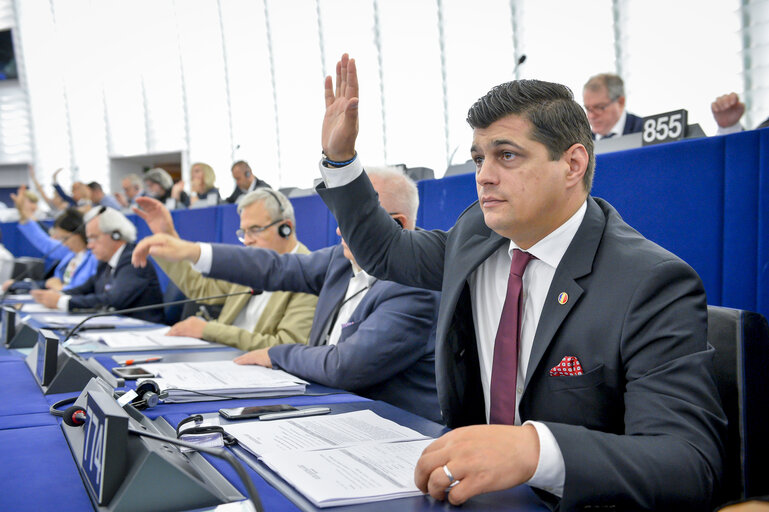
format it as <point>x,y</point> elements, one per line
<point>228,439</point>
<point>284,229</point>
<point>148,395</point>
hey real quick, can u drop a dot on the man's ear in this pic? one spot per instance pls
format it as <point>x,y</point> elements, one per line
<point>576,158</point>
<point>621,101</point>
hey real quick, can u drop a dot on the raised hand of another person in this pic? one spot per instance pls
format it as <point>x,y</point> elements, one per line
<point>340,124</point>
<point>258,356</point>
<point>156,215</point>
<point>165,247</point>
<point>191,326</point>
<point>727,110</point>
<point>177,189</point>
<point>25,207</point>
<point>480,458</point>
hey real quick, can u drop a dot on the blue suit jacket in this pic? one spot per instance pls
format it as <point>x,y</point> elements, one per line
<point>386,352</point>
<point>123,287</point>
<point>642,428</point>
<point>633,124</point>
<point>44,243</point>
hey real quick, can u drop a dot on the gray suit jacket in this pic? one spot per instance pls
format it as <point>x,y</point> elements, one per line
<point>386,350</point>
<point>642,427</point>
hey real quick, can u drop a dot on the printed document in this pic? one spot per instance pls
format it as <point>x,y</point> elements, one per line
<point>200,381</point>
<point>342,459</point>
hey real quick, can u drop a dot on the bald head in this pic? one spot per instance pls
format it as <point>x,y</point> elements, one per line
<point>397,193</point>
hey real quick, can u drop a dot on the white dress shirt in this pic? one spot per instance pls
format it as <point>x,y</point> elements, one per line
<point>357,288</point>
<point>63,303</point>
<point>617,129</point>
<point>488,286</point>
<point>250,315</point>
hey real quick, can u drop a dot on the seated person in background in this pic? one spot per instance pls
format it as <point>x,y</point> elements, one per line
<point>246,322</point>
<point>7,262</point>
<point>245,181</point>
<point>132,188</point>
<point>604,99</point>
<point>117,284</point>
<point>66,243</point>
<point>99,198</point>
<point>159,184</point>
<point>727,110</point>
<point>202,181</point>
<point>368,336</point>
<point>81,194</point>
<point>572,350</point>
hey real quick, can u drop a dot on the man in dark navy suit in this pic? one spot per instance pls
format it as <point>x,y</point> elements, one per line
<point>604,99</point>
<point>116,284</point>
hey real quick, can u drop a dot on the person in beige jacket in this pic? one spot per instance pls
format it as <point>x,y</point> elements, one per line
<point>246,322</point>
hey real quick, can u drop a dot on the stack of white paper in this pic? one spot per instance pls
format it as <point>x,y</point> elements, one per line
<point>210,380</point>
<point>143,338</point>
<point>343,459</point>
<point>71,320</point>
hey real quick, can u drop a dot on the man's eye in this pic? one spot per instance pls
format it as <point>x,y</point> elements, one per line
<point>478,161</point>
<point>508,155</point>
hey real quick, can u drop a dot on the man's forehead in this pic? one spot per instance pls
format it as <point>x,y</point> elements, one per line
<point>512,129</point>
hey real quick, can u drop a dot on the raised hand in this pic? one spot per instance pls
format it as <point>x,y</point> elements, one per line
<point>727,110</point>
<point>164,247</point>
<point>156,215</point>
<point>177,189</point>
<point>340,124</point>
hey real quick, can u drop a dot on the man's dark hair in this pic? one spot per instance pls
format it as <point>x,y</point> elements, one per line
<point>94,185</point>
<point>244,164</point>
<point>71,221</point>
<point>558,121</point>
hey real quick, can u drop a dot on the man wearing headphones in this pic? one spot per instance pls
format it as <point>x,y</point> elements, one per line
<point>368,336</point>
<point>246,322</point>
<point>116,284</point>
<point>245,181</point>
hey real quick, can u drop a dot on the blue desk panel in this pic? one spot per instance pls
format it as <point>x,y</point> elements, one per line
<point>40,473</point>
<point>21,394</point>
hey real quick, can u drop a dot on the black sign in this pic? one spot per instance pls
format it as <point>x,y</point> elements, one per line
<point>104,448</point>
<point>665,127</point>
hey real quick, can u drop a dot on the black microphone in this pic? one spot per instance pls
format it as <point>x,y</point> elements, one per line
<point>59,243</point>
<point>521,60</point>
<point>77,327</point>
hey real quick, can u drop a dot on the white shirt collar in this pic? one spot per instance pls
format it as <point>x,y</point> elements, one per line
<point>551,249</point>
<point>618,128</point>
<point>116,257</point>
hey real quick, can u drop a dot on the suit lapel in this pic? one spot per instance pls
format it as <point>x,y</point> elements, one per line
<point>577,262</point>
<point>333,293</point>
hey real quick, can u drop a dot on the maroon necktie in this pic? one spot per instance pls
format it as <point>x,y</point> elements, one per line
<point>504,371</point>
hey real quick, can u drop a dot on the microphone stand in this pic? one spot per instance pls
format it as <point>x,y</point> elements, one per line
<point>77,327</point>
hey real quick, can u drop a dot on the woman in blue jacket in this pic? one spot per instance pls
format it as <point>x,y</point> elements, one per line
<point>67,243</point>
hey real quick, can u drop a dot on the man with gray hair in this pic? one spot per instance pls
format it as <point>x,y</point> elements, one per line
<point>603,97</point>
<point>116,284</point>
<point>373,337</point>
<point>132,188</point>
<point>246,322</point>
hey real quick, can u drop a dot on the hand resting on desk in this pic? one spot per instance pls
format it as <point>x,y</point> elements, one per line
<point>483,458</point>
<point>259,356</point>
<point>48,298</point>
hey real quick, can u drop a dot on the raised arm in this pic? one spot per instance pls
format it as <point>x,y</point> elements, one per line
<point>156,215</point>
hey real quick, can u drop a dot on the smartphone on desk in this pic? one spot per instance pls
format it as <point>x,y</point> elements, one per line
<point>132,372</point>
<point>240,413</point>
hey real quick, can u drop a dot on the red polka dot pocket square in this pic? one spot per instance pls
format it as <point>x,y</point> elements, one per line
<point>568,367</point>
